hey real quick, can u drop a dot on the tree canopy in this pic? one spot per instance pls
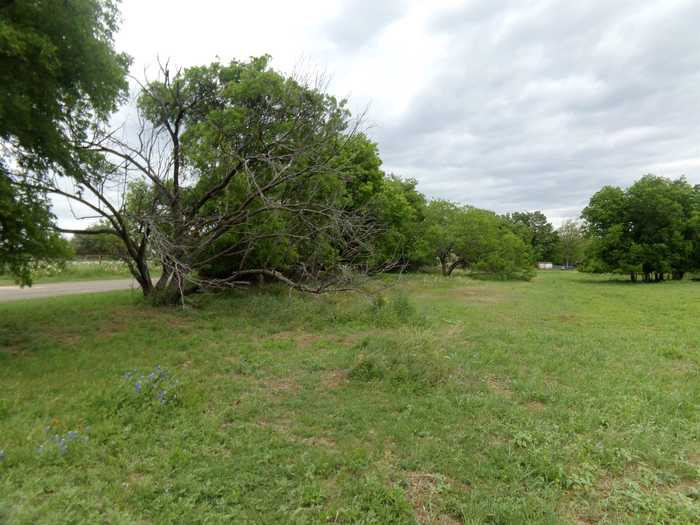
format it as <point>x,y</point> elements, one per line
<point>536,231</point>
<point>650,229</point>
<point>59,73</point>
<point>480,240</point>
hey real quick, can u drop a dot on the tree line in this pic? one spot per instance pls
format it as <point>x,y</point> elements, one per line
<point>235,172</point>
<point>230,172</point>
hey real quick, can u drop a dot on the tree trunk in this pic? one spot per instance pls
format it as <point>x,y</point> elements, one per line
<point>164,278</point>
<point>678,275</point>
<point>458,262</point>
<point>443,265</point>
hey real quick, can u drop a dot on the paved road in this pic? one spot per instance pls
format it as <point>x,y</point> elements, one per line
<point>15,293</point>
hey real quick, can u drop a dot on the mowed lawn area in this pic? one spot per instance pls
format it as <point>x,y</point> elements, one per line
<point>568,399</point>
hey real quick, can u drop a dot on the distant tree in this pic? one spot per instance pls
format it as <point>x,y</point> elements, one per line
<point>26,236</point>
<point>475,239</point>
<point>59,73</point>
<point>536,231</point>
<point>97,244</point>
<point>571,243</point>
<point>440,231</point>
<point>485,243</point>
<point>649,229</point>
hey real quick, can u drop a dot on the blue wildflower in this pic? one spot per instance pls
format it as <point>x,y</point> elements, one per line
<point>137,387</point>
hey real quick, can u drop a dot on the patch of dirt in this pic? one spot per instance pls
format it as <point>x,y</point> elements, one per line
<point>135,478</point>
<point>333,379</point>
<point>113,327</point>
<point>319,441</point>
<point>421,489</point>
<point>499,387</point>
<point>535,406</point>
<point>13,349</point>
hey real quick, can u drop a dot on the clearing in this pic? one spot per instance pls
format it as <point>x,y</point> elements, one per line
<point>569,399</point>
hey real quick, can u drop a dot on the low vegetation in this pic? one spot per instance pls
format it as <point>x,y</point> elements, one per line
<point>433,400</point>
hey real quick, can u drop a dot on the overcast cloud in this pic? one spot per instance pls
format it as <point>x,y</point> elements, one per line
<point>506,105</point>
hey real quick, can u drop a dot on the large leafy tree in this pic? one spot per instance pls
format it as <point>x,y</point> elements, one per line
<point>222,155</point>
<point>572,242</point>
<point>536,231</point>
<point>25,231</point>
<point>649,229</point>
<point>97,244</point>
<point>59,73</point>
<point>479,240</point>
<point>441,230</point>
<point>397,210</point>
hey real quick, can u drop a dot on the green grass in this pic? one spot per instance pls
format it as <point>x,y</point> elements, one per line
<point>74,271</point>
<point>569,399</point>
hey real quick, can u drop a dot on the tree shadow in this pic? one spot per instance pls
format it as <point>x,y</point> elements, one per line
<point>620,280</point>
<point>613,280</point>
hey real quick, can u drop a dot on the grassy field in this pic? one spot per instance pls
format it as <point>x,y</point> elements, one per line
<point>569,399</point>
<point>74,271</point>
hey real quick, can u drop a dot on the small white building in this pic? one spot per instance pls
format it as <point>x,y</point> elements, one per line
<point>545,265</point>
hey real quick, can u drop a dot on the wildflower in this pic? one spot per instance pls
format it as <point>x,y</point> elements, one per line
<point>2,455</point>
<point>137,386</point>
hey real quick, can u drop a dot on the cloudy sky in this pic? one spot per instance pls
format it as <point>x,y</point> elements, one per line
<point>507,105</point>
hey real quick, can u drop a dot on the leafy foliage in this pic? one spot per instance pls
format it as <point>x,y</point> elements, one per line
<point>26,236</point>
<point>652,228</point>
<point>535,230</point>
<point>93,243</point>
<point>572,243</point>
<point>59,72</point>
<point>463,236</point>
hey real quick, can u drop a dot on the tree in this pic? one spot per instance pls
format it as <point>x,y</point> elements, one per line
<point>485,243</point>
<point>397,211</point>
<point>571,243</point>
<point>59,73</point>
<point>479,240</point>
<point>651,228</point>
<point>440,231</point>
<point>221,150</point>
<point>25,232</point>
<point>535,230</point>
<point>97,244</point>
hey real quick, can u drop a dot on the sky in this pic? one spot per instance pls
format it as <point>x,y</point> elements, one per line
<point>505,105</point>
